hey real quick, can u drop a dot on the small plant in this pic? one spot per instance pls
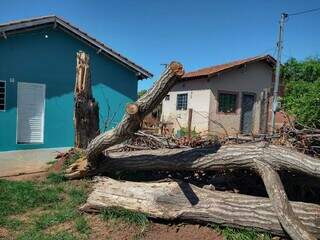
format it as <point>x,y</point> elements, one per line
<point>56,177</point>
<point>57,217</point>
<point>10,223</point>
<point>74,156</point>
<point>115,213</point>
<point>34,234</point>
<point>82,225</point>
<point>184,132</point>
<point>77,196</point>
<point>240,234</point>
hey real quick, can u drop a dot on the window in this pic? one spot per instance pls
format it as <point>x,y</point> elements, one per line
<point>167,98</point>
<point>2,95</point>
<point>227,102</point>
<point>182,101</point>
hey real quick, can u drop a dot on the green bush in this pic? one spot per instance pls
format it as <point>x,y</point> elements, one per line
<point>303,101</point>
<point>302,96</point>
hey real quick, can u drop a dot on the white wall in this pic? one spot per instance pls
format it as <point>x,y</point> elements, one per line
<point>198,99</point>
<point>203,94</point>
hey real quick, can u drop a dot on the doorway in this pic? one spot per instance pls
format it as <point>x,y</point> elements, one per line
<point>247,113</point>
<point>30,113</point>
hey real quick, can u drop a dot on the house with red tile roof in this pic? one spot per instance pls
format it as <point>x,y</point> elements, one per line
<point>230,98</point>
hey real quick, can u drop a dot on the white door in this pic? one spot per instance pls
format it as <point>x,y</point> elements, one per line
<point>30,119</point>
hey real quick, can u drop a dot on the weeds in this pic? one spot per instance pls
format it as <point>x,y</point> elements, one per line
<point>37,235</point>
<point>115,213</point>
<point>72,158</point>
<point>54,218</point>
<point>82,225</point>
<point>17,197</point>
<point>56,177</point>
<point>240,234</point>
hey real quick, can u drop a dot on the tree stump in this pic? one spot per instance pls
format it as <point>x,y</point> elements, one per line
<point>86,109</point>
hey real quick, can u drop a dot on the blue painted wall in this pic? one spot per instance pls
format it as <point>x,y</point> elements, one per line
<point>31,57</point>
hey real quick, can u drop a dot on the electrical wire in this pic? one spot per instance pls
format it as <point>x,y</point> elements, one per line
<point>304,12</point>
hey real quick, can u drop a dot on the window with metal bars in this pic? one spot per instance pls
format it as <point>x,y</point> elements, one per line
<point>227,102</point>
<point>2,95</point>
<point>182,101</point>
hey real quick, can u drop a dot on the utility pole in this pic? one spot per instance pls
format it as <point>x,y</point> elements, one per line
<point>278,65</point>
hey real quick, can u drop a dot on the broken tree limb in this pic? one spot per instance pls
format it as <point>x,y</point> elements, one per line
<point>239,156</point>
<point>130,122</point>
<point>278,197</point>
<point>182,201</point>
<point>86,109</point>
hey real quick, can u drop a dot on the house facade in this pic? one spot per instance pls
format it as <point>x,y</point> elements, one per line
<point>37,77</point>
<point>228,99</point>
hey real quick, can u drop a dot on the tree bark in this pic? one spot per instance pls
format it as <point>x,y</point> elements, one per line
<point>241,156</point>
<point>178,200</point>
<point>278,197</point>
<point>130,122</point>
<point>86,109</point>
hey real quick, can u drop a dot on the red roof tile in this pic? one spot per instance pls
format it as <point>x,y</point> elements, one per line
<point>204,72</point>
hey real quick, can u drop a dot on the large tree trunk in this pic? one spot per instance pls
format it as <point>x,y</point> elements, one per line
<point>86,109</point>
<point>259,157</point>
<point>178,200</point>
<point>130,123</point>
<point>278,197</point>
<point>241,156</point>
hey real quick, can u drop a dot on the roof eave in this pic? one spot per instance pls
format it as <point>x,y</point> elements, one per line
<point>31,23</point>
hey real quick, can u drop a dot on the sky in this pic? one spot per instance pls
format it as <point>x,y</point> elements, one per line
<point>197,33</point>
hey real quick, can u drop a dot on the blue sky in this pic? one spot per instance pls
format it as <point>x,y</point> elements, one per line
<point>196,33</point>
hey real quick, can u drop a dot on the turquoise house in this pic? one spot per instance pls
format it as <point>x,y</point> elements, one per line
<point>37,76</point>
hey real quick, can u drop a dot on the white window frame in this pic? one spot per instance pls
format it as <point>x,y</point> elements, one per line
<point>182,109</point>
<point>5,96</point>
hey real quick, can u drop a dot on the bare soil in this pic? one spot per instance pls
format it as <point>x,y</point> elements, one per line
<point>121,231</point>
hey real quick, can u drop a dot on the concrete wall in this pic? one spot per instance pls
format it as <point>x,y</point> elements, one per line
<point>203,98</point>
<point>199,95</point>
<point>31,57</point>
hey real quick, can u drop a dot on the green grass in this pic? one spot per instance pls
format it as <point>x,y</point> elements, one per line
<point>10,223</point>
<point>55,202</point>
<point>17,197</point>
<point>240,234</point>
<point>38,235</point>
<point>82,225</point>
<point>55,217</point>
<point>74,157</point>
<point>56,177</point>
<point>115,213</point>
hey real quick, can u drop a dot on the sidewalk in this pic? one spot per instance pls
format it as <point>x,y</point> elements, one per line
<point>27,161</point>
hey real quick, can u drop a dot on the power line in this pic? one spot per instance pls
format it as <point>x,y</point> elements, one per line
<point>304,12</point>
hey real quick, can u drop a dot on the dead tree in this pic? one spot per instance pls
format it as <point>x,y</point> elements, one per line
<point>262,158</point>
<point>86,109</point>
<point>182,201</point>
<point>130,123</point>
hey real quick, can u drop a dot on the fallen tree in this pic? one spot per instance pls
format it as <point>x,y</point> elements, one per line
<point>131,122</point>
<point>178,200</point>
<point>262,158</point>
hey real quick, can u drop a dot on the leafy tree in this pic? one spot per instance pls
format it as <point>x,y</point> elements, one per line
<point>302,98</point>
<point>141,93</point>
<point>307,70</point>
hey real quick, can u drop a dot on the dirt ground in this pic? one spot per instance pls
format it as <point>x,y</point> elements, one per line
<point>110,229</point>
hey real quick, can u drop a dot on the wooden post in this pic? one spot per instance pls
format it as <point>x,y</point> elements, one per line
<point>264,111</point>
<point>189,122</point>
